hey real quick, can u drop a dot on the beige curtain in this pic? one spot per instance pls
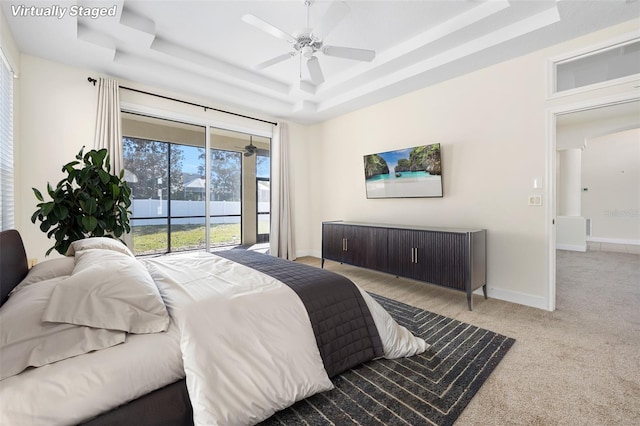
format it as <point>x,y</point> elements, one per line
<point>108,125</point>
<point>281,239</point>
<point>109,129</point>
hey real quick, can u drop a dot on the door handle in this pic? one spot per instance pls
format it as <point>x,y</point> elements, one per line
<point>416,256</point>
<point>412,256</point>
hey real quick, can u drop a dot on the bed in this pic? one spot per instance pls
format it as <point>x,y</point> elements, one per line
<point>100,337</point>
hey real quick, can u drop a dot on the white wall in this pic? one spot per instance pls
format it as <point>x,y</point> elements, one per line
<point>492,132</point>
<point>611,172</point>
<point>491,127</point>
<point>569,182</point>
<point>57,116</point>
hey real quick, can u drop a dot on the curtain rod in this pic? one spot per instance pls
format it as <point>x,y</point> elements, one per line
<point>94,81</point>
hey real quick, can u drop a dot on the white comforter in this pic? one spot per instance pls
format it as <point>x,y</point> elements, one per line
<point>247,344</point>
<point>76,389</point>
<point>244,340</point>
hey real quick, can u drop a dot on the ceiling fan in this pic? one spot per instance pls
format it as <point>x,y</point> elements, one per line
<point>307,42</point>
<point>250,149</point>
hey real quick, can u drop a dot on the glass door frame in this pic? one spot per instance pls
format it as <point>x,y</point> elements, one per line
<point>208,124</point>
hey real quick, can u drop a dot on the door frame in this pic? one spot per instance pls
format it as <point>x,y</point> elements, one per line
<point>551,175</point>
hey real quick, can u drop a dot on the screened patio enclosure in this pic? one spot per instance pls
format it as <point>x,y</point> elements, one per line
<point>187,196</point>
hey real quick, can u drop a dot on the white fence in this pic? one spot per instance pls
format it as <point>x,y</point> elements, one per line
<point>157,211</point>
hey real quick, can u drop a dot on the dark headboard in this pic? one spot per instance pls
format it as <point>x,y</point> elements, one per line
<point>13,262</point>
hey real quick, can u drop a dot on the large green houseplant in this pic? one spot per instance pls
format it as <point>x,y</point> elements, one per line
<point>88,202</point>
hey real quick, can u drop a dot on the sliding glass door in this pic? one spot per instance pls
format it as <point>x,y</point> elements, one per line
<point>172,175</point>
<point>225,211</point>
<point>164,165</point>
<point>263,196</point>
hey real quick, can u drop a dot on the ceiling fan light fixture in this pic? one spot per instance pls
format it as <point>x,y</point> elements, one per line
<point>307,42</point>
<point>307,51</point>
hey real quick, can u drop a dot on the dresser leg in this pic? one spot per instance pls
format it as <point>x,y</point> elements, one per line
<point>470,300</point>
<point>322,263</point>
<point>484,290</point>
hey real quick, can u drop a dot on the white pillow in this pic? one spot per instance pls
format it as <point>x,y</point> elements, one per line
<point>111,290</point>
<point>103,243</point>
<point>46,270</point>
<point>26,341</point>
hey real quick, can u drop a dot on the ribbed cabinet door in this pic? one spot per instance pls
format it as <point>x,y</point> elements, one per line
<point>372,247</point>
<point>423,249</point>
<point>351,245</point>
<point>400,252</point>
<point>444,260</point>
<point>332,241</point>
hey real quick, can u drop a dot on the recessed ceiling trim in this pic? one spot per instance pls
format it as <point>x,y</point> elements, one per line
<point>97,38</point>
<point>199,85</point>
<point>524,26</point>
<point>223,70</point>
<point>477,14</point>
<point>305,106</point>
<point>137,22</point>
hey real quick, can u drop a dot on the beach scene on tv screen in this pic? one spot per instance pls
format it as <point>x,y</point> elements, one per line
<point>404,173</point>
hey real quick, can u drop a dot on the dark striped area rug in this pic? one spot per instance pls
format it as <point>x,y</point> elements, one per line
<point>427,389</point>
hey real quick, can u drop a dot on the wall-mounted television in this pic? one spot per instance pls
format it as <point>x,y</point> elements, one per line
<point>404,173</point>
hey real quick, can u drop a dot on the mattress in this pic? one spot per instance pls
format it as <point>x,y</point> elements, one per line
<point>75,389</point>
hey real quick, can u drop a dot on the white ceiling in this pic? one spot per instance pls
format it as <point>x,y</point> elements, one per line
<point>204,49</point>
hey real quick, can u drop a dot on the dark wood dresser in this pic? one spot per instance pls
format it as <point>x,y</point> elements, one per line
<point>450,257</point>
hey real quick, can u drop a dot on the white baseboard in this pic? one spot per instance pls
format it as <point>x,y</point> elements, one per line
<point>312,253</point>
<point>571,247</point>
<point>516,297</point>
<point>494,293</point>
<point>614,241</point>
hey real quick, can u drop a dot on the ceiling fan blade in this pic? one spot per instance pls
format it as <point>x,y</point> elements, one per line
<point>315,71</point>
<point>349,53</point>
<point>275,60</point>
<point>336,12</point>
<point>268,28</point>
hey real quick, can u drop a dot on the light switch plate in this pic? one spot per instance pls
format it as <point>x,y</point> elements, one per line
<point>537,183</point>
<point>535,200</point>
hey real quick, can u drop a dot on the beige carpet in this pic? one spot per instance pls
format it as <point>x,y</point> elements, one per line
<point>579,365</point>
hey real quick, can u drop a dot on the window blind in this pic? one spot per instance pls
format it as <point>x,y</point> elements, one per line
<point>6,146</point>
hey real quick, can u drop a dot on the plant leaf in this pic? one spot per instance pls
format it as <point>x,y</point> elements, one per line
<point>79,156</point>
<point>89,223</point>
<point>46,208</point>
<point>98,156</point>
<point>89,206</point>
<point>104,176</point>
<point>60,211</point>
<point>115,190</point>
<point>38,194</point>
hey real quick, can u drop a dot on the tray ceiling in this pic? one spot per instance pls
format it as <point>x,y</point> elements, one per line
<point>204,49</point>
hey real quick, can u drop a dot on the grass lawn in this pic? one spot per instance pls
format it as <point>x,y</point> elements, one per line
<point>153,238</point>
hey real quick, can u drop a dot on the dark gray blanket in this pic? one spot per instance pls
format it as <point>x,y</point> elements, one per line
<point>341,321</point>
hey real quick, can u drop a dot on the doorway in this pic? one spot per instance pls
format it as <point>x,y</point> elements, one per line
<point>571,126</point>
